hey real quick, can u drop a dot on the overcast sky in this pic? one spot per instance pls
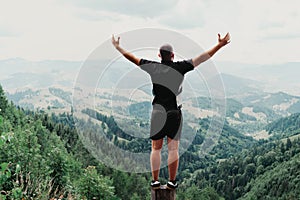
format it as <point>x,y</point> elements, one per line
<point>263,32</point>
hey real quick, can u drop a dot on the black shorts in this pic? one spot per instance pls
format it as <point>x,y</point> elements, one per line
<point>165,123</point>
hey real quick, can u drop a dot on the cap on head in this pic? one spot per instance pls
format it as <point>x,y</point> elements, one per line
<point>166,52</point>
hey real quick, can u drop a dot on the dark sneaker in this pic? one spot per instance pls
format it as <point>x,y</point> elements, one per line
<point>172,185</point>
<point>155,184</point>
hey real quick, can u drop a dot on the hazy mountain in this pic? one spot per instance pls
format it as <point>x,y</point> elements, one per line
<point>286,126</point>
<point>15,65</point>
<point>271,78</point>
<point>279,102</point>
<point>240,87</point>
<point>17,74</point>
<point>49,84</point>
<point>277,77</point>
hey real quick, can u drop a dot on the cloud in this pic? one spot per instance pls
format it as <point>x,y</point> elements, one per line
<point>282,27</point>
<point>140,8</point>
<point>176,14</point>
<point>181,14</point>
<point>5,32</point>
<point>71,29</point>
<point>190,14</point>
<point>283,36</point>
<point>186,14</point>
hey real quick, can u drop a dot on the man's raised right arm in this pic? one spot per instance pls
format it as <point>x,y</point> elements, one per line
<point>126,54</point>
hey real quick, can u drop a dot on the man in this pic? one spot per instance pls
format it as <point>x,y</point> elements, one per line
<point>166,119</point>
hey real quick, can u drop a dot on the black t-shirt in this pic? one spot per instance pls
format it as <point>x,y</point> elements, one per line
<point>167,78</point>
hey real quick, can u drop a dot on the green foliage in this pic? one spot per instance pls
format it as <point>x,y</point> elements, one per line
<point>36,158</point>
<point>41,157</point>
<point>21,95</point>
<point>202,102</point>
<point>194,193</point>
<point>3,101</point>
<point>255,172</point>
<point>92,185</point>
<point>61,94</point>
<point>271,114</point>
<point>285,127</point>
<point>233,107</point>
<point>115,134</point>
<point>294,108</point>
<point>281,182</point>
<point>131,183</point>
<point>140,109</point>
<point>234,177</point>
<point>273,99</point>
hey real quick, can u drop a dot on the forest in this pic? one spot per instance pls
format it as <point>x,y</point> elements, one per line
<point>42,157</point>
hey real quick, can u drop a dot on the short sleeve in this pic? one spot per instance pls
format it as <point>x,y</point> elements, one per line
<point>147,65</point>
<point>185,66</point>
<point>144,61</point>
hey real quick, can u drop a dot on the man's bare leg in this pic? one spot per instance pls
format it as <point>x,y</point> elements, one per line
<point>155,158</point>
<point>173,158</point>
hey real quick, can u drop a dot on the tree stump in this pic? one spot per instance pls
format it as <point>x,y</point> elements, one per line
<point>163,193</point>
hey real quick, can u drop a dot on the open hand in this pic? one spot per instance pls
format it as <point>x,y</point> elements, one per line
<point>115,42</point>
<point>225,40</point>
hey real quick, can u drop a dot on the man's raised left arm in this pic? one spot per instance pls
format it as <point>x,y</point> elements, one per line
<point>208,54</point>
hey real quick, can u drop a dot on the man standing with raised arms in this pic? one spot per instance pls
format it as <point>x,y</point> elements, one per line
<point>166,119</point>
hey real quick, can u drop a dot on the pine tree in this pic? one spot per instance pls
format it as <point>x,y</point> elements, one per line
<point>3,101</point>
<point>288,144</point>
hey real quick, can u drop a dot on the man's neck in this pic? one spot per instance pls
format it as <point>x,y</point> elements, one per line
<point>166,61</point>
